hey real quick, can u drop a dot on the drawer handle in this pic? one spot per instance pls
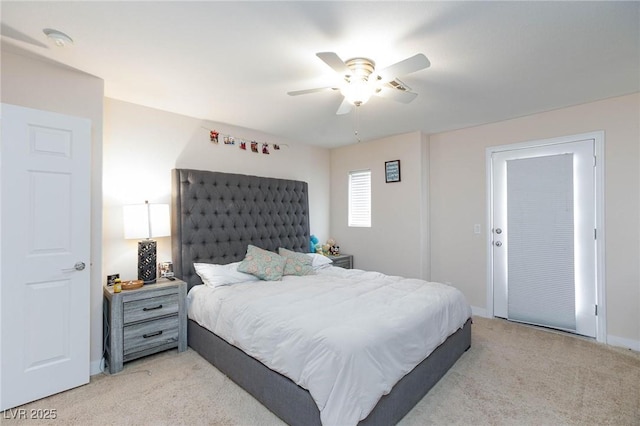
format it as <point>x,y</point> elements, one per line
<point>157,333</point>
<point>152,309</point>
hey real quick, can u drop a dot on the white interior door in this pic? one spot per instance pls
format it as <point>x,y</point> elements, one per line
<point>44,277</point>
<point>544,246</point>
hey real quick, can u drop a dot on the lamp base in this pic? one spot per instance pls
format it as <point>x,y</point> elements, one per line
<point>147,261</point>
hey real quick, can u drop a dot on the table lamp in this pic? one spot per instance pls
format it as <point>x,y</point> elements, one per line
<point>146,221</point>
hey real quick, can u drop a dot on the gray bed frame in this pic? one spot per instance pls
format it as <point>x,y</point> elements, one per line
<point>214,217</point>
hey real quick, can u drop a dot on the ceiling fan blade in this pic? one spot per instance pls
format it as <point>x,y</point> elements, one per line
<point>345,107</point>
<point>407,66</point>
<point>305,91</point>
<point>334,61</point>
<point>397,95</point>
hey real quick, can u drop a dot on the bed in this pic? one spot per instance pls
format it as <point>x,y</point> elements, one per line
<point>215,217</point>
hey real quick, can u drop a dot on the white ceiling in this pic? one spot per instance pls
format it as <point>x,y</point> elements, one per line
<point>233,62</point>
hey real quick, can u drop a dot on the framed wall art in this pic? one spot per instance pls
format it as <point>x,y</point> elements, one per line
<point>392,171</point>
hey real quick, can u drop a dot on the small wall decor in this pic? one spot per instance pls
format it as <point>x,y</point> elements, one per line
<point>256,146</point>
<point>392,171</point>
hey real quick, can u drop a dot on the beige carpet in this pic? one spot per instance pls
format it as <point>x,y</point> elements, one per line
<point>512,375</point>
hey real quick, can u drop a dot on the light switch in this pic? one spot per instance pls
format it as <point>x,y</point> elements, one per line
<point>476,228</point>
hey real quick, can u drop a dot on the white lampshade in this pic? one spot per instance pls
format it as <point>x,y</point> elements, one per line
<point>146,220</point>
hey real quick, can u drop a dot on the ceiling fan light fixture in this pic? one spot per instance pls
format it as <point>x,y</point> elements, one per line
<point>357,92</point>
<point>359,87</point>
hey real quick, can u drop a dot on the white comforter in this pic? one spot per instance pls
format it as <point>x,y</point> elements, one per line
<point>347,336</point>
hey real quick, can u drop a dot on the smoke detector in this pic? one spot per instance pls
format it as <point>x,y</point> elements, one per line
<point>58,37</point>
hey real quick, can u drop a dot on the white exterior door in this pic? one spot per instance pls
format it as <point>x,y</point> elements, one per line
<point>44,273</point>
<point>543,235</point>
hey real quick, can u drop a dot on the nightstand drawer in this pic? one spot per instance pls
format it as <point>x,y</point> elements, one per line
<point>342,261</point>
<point>145,335</point>
<point>153,307</point>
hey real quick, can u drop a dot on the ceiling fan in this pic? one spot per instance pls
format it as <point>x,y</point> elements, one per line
<point>359,80</point>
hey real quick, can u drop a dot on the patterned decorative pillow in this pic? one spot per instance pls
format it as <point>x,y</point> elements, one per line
<point>296,263</point>
<point>264,264</point>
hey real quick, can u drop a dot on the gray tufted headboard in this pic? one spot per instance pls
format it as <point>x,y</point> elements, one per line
<point>215,216</point>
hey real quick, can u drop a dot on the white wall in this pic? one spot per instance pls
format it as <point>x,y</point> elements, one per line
<point>36,83</point>
<point>142,145</point>
<point>458,201</point>
<point>398,241</point>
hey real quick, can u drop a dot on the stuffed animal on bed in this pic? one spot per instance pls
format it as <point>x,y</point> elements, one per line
<point>312,243</point>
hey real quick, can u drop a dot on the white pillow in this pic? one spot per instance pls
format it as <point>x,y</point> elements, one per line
<point>318,260</point>
<point>219,275</point>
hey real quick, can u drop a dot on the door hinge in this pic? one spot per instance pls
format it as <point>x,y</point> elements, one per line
<point>595,233</point>
<point>596,311</point>
<point>594,161</point>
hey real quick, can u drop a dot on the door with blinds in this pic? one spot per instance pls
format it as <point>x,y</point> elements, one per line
<point>543,236</point>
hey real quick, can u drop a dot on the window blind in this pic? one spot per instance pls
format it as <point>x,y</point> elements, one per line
<point>541,241</point>
<point>360,198</point>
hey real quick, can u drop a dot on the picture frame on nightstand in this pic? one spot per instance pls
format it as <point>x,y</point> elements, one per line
<point>165,269</point>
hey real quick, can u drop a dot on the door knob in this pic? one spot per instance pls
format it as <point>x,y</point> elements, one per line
<point>498,231</point>
<point>498,243</point>
<point>79,266</point>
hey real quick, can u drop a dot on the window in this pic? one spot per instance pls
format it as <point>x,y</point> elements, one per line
<point>360,198</point>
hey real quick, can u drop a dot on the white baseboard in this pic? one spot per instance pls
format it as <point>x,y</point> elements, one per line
<point>96,367</point>
<point>479,312</point>
<point>623,342</point>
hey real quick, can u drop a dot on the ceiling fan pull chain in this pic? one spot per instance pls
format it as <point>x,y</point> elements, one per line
<point>357,123</point>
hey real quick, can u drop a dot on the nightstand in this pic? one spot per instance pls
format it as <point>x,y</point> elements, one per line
<point>342,260</point>
<point>144,321</point>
